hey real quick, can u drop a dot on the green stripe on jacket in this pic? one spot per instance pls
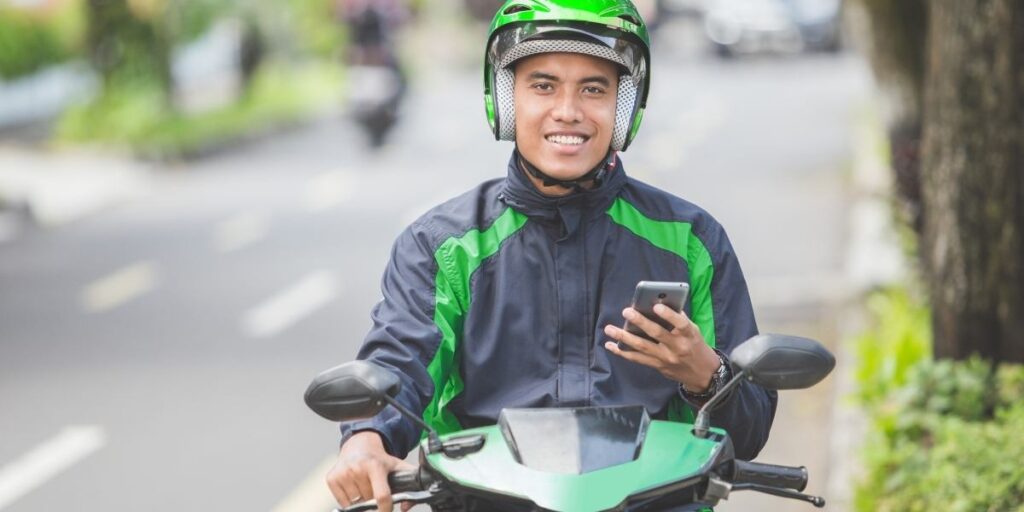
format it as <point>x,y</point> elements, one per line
<point>677,238</point>
<point>457,259</point>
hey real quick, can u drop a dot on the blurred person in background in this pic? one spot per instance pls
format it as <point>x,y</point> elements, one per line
<point>377,82</point>
<point>511,294</point>
<point>371,27</point>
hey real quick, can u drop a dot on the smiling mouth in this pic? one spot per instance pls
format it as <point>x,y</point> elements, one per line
<point>567,140</point>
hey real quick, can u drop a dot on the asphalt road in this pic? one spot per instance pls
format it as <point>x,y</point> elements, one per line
<point>154,356</point>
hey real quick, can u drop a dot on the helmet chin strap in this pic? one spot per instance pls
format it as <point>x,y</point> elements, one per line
<point>595,176</point>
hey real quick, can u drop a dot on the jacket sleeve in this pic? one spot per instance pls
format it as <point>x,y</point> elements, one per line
<point>748,413</point>
<point>404,338</point>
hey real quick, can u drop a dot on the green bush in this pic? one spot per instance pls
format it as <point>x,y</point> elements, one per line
<point>138,117</point>
<point>945,435</point>
<point>936,448</point>
<point>899,339</point>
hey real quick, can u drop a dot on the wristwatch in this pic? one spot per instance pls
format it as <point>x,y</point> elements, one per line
<point>718,381</point>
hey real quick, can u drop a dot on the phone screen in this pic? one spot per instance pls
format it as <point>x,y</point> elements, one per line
<point>650,293</point>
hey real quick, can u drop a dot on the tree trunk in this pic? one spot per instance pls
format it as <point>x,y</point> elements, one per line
<point>125,49</point>
<point>972,178</point>
<point>897,42</point>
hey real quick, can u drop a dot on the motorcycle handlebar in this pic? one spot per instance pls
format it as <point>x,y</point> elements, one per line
<point>770,475</point>
<point>405,481</point>
<point>404,486</point>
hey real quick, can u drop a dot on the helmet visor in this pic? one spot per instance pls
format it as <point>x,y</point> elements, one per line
<point>631,55</point>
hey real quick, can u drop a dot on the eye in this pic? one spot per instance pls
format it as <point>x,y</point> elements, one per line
<point>593,90</point>
<point>543,86</point>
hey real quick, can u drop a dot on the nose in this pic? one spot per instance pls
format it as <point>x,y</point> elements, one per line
<point>567,107</point>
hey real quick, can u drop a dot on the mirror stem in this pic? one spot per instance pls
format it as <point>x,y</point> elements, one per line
<point>702,424</point>
<point>433,440</point>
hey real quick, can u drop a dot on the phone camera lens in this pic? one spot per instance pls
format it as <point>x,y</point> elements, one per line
<point>661,295</point>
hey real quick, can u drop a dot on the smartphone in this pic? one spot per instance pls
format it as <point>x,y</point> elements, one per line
<point>650,293</point>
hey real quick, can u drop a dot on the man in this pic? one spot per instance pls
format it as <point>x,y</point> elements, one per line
<point>511,294</point>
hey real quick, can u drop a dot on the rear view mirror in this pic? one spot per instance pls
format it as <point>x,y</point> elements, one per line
<point>352,391</point>
<point>783,362</point>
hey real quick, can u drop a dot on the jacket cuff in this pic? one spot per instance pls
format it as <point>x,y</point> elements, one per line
<point>352,428</point>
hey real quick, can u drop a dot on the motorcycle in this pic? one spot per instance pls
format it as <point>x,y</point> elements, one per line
<point>375,94</point>
<point>583,458</point>
<point>376,82</point>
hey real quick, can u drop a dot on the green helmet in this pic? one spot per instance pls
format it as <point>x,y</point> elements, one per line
<point>608,29</point>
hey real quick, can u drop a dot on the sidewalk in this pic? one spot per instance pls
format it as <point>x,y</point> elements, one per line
<point>54,188</point>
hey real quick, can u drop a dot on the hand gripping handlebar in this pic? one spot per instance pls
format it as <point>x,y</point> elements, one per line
<point>405,486</point>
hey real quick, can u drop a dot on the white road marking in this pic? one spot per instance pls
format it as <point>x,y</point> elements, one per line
<point>73,444</point>
<point>288,307</point>
<point>239,231</point>
<point>120,287</point>
<point>312,493</point>
<point>328,190</point>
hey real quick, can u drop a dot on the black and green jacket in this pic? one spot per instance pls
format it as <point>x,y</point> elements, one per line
<point>498,298</point>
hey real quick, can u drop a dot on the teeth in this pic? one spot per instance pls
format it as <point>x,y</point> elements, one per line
<point>572,140</point>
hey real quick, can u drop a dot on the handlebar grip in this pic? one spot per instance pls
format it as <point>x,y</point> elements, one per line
<point>405,481</point>
<point>771,475</point>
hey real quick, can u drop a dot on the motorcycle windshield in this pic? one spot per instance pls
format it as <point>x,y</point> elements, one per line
<point>574,440</point>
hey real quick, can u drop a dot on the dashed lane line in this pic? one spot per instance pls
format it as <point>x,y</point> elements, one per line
<point>120,287</point>
<point>239,231</point>
<point>312,493</point>
<point>33,469</point>
<point>291,305</point>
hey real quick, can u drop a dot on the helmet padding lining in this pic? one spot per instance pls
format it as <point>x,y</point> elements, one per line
<point>504,85</point>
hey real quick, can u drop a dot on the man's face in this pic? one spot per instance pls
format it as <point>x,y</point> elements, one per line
<point>565,111</point>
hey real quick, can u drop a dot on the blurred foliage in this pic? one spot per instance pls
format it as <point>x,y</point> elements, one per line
<point>188,19</point>
<point>139,119</point>
<point>317,27</point>
<point>32,40</point>
<point>944,435</point>
<point>131,43</point>
<point>899,339</point>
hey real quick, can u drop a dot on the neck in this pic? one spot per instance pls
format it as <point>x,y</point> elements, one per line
<point>559,188</point>
<point>551,190</point>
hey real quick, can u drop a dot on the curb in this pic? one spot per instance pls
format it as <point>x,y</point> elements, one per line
<point>873,259</point>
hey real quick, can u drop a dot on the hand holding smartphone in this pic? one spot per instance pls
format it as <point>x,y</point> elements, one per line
<point>647,295</point>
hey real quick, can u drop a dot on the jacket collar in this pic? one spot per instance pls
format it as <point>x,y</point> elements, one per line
<point>520,193</point>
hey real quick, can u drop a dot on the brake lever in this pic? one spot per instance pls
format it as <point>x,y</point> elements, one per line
<point>817,501</point>
<point>402,497</point>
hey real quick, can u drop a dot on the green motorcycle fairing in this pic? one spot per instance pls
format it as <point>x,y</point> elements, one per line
<point>668,455</point>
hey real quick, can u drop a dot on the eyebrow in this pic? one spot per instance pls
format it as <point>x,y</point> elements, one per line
<point>540,75</point>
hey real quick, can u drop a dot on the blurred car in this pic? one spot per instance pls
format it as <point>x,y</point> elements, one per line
<point>819,21</point>
<point>784,26</point>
